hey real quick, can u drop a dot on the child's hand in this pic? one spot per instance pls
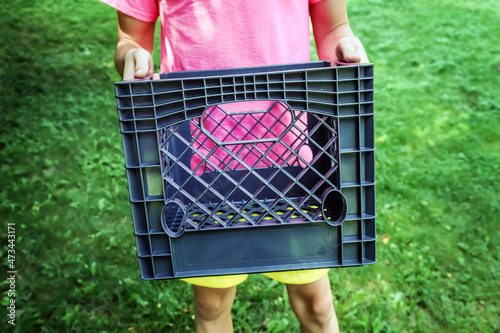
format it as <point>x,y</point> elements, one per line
<point>138,64</point>
<point>350,50</point>
<point>133,57</point>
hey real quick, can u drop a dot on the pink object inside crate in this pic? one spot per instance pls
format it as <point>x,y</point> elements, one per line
<point>244,135</point>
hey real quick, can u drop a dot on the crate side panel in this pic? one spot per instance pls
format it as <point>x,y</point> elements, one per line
<point>139,217</point>
<point>352,195</point>
<point>367,133</point>
<point>148,148</point>
<point>256,249</point>
<point>349,169</point>
<point>143,245</point>
<point>146,268</point>
<point>349,133</point>
<point>130,150</point>
<point>153,188</point>
<point>369,228</point>
<point>160,245</point>
<point>351,230</point>
<point>352,253</point>
<point>135,185</point>
<point>163,267</point>
<point>368,167</point>
<point>153,214</point>
<point>368,200</point>
<point>347,72</point>
<point>369,252</point>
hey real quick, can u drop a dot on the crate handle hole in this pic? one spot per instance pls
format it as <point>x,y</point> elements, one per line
<point>334,206</point>
<point>173,218</point>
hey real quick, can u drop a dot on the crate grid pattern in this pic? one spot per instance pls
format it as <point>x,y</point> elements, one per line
<point>339,96</point>
<point>253,211</point>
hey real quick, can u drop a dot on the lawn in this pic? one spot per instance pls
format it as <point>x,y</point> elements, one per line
<point>63,185</point>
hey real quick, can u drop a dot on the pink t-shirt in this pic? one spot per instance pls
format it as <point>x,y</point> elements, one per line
<point>213,34</point>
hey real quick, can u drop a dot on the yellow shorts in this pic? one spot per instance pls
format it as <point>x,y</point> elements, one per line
<point>289,277</point>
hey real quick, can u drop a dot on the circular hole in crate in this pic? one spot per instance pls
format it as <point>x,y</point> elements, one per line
<point>173,218</point>
<point>334,207</point>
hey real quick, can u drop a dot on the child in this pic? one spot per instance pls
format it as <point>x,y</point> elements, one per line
<point>212,34</point>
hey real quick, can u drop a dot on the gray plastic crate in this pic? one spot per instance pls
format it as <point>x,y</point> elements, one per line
<point>251,170</point>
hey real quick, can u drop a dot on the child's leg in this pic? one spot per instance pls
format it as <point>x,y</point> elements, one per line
<point>313,306</point>
<point>212,308</point>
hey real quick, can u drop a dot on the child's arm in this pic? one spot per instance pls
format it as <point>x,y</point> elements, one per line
<point>135,45</point>
<point>334,39</point>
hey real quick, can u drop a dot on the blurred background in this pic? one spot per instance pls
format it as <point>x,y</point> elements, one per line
<point>63,184</point>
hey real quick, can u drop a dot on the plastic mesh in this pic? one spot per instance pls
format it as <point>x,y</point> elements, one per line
<point>244,166</point>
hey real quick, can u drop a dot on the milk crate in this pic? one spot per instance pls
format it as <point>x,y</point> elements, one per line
<point>250,170</point>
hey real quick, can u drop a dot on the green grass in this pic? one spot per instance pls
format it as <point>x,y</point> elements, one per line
<point>438,173</point>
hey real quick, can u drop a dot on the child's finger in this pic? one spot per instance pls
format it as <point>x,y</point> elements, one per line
<point>360,50</point>
<point>142,63</point>
<point>138,63</point>
<point>129,66</point>
<point>350,50</point>
<point>346,51</point>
